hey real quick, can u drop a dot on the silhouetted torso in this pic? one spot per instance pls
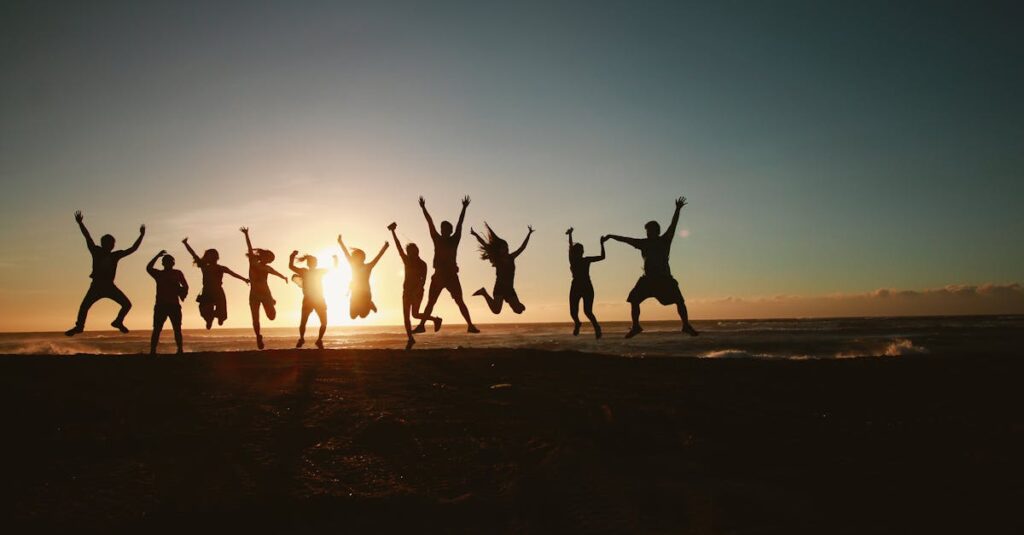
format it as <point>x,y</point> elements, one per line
<point>312,283</point>
<point>168,286</point>
<point>580,268</point>
<point>104,264</point>
<point>415,274</point>
<point>445,250</point>
<point>213,275</point>
<point>505,272</point>
<point>360,276</point>
<point>655,254</point>
<point>258,277</point>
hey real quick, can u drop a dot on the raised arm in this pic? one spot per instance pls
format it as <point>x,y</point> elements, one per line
<point>344,249</point>
<point>80,219</point>
<point>635,242</point>
<point>569,234</point>
<point>462,216</point>
<point>380,254</point>
<point>235,275</point>
<point>522,247</point>
<point>150,266</point>
<point>248,242</point>
<point>398,244</point>
<point>195,257</point>
<point>477,236</point>
<point>430,220</point>
<point>670,232</point>
<point>601,257</point>
<point>291,262</point>
<point>138,242</point>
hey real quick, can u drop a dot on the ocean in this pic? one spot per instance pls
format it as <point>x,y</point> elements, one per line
<point>763,339</point>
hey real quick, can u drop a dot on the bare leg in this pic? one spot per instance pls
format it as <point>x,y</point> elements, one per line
<point>455,290</point>
<point>687,328</point>
<point>588,309</point>
<point>158,324</point>
<point>574,311</point>
<point>254,309</point>
<point>91,296</point>
<point>176,325</point>
<point>306,311</point>
<point>493,303</point>
<point>432,294</point>
<point>120,298</point>
<point>321,312</point>
<point>634,312</point>
<point>414,311</point>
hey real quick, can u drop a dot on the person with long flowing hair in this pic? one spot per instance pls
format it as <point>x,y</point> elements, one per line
<point>495,250</point>
<point>310,278</point>
<point>582,289</point>
<point>213,304</point>
<point>259,290</point>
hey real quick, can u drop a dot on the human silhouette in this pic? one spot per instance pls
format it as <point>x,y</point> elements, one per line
<point>259,290</point>
<point>582,288</point>
<point>412,287</point>
<point>171,289</point>
<point>104,269</point>
<point>360,302</point>
<point>657,280</point>
<point>446,267</point>
<point>213,304</point>
<point>495,250</point>
<point>310,278</point>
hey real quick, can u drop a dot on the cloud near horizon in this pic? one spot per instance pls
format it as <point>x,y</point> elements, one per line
<point>959,299</point>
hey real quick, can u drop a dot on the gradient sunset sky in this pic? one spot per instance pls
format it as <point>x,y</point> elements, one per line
<point>828,150</point>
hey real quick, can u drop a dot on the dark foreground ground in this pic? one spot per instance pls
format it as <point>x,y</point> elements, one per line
<point>497,441</point>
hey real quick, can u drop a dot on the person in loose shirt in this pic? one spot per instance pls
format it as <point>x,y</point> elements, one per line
<point>104,269</point>
<point>259,289</point>
<point>171,290</point>
<point>657,280</point>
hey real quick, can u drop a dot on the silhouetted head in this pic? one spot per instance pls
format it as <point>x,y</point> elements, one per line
<point>446,228</point>
<point>576,251</point>
<point>495,249</point>
<point>310,261</point>
<point>653,229</point>
<point>358,255</point>
<point>263,256</point>
<point>211,256</point>
<point>167,261</point>
<point>107,242</point>
<point>412,250</point>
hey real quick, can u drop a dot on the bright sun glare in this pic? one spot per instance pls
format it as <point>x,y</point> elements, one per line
<point>335,285</point>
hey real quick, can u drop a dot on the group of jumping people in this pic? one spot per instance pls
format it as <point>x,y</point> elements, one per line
<point>172,287</point>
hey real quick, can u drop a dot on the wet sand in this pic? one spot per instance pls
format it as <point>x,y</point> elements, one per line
<point>512,440</point>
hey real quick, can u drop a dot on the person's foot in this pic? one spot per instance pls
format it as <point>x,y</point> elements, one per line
<point>73,331</point>
<point>319,343</point>
<point>688,329</point>
<point>576,329</point>
<point>437,324</point>
<point>419,329</point>
<point>259,341</point>
<point>299,343</point>
<point>634,331</point>
<point>481,291</point>
<point>472,329</point>
<point>152,352</point>
<point>409,343</point>
<point>179,352</point>
<point>220,321</point>
<point>597,331</point>
<point>119,326</point>
<point>209,324</point>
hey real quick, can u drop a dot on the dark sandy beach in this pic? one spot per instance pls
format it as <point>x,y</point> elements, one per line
<point>498,441</point>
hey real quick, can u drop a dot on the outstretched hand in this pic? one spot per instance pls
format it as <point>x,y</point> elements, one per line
<point>185,241</point>
<point>680,202</point>
<point>339,239</point>
<point>465,201</point>
<point>78,216</point>
<point>423,202</point>
<point>245,230</point>
<point>569,232</point>
<point>392,226</point>
<point>529,229</point>
<point>161,253</point>
<point>294,254</point>
<point>142,230</point>
<point>604,239</point>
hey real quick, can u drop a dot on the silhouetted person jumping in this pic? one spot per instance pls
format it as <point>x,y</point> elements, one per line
<point>213,304</point>
<point>657,280</point>
<point>310,279</point>
<point>412,287</point>
<point>259,290</point>
<point>171,289</point>
<point>104,268</point>
<point>360,302</point>
<point>446,268</point>
<point>581,287</point>
<point>495,250</point>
